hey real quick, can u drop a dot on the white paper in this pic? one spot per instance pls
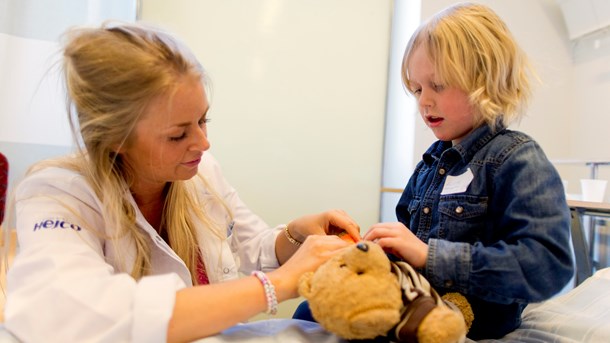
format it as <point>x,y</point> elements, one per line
<point>457,184</point>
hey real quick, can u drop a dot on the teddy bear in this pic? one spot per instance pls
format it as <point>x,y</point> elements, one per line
<point>360,294</point>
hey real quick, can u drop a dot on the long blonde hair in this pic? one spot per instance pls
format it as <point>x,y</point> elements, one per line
<point>112,73</point>
<point>472,49</point>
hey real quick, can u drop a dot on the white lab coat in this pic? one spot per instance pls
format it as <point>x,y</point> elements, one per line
<point>66,285</point>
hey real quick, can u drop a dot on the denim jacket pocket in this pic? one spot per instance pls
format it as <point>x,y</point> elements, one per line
<point>462,217</point>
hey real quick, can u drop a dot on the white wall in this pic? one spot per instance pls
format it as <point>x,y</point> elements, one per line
<point>298,98</point>
<point>591,109</point>
<point>569,114</point>
<point>301,140</point>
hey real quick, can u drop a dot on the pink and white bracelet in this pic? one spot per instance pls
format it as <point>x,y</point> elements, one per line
<point>269,291</point>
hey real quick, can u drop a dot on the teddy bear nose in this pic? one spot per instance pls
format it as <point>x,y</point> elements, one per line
<point>362,246</point>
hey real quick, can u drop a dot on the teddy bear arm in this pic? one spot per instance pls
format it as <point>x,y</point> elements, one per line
<point>305,285</point>
<point>374,323</point>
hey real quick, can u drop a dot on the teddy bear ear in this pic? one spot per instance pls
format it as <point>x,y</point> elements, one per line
<point>305,285</point>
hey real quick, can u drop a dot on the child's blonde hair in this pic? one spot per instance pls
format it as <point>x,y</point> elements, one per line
<point>473,50</point>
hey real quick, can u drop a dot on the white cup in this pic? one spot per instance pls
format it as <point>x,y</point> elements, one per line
<point>593,190</point>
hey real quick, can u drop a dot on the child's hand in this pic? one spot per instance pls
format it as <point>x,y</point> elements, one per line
<point>397,239</point>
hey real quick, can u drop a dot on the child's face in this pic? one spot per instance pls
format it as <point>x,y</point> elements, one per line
<point>446,110</point>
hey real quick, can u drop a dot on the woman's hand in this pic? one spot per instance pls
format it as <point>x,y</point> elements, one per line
<point>326,223</point>
<point>242,298</point>
<point>397,239</point>
<point>316,250</point>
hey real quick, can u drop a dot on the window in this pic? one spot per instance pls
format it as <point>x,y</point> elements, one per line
<point>401,112</point>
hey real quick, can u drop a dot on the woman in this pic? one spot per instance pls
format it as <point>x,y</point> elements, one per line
<point>112,238</point>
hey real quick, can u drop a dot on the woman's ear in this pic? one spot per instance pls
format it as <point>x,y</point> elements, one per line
<point>117,148</point>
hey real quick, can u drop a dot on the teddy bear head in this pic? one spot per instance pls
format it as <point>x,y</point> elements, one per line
<point>354,294</point>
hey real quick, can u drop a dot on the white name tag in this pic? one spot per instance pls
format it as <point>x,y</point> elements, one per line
<point>457,184</point>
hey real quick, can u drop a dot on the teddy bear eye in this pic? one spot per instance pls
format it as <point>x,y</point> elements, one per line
<point>343,265</point>
<point>359,271</point>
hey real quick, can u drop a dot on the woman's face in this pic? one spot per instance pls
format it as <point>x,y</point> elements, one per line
<point>445,110</point>
<point>169,140</point>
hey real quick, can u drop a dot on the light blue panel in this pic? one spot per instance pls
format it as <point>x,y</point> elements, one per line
<point>21,156</point>
<point>48,19</point>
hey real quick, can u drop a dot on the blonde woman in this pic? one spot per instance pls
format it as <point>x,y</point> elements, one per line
<point>484,212</point>
<point>138,237</point>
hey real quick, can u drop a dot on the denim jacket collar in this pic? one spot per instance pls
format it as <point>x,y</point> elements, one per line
<point>465,149</point>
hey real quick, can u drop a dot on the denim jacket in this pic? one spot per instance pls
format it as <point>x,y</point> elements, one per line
<point>493,212</point>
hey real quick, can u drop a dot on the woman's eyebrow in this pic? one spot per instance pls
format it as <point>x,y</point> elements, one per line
<point>187,123</point>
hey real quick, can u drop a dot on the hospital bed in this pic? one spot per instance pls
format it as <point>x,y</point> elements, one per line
<point>580,315</point>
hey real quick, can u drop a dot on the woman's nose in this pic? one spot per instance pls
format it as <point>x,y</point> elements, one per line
<point>201,140</point>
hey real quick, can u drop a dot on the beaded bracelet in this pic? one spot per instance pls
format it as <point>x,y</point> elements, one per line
<point>269,291</point>
<point>290,238</point>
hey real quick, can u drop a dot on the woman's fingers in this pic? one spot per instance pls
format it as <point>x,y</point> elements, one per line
<point>339,221</point>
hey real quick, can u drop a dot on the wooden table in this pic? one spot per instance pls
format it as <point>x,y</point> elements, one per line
<point>584,252</point>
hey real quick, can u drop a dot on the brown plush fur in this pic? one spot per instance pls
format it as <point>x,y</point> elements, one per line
<point>441,325</point>
<point>356,296</point>
<point>459,301</point>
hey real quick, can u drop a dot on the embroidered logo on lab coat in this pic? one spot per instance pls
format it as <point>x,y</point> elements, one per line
<point>49,224</point>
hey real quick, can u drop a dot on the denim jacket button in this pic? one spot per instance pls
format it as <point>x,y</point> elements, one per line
<point>441,171</point>
<point>448,283</point>
<point>459,210</point>
<point>426,210</point>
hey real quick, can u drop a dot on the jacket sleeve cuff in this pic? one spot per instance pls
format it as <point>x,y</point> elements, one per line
<point>154,305</point>
<point>269,260</point>
<point>448,265</point>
